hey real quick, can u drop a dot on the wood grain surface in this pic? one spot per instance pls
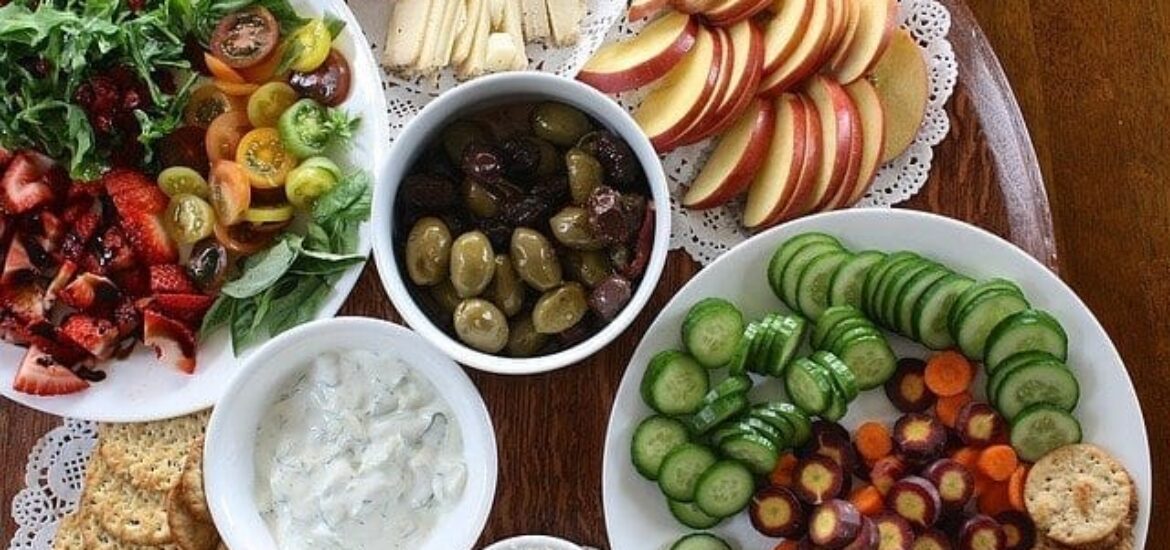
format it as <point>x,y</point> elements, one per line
<point>1091,80</point>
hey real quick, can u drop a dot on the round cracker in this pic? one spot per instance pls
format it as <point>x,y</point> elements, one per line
<point>191,483</point>
<point>125,511</point>
<point>151,454</point>
<point>1079,495</point>
<point>190,533</point>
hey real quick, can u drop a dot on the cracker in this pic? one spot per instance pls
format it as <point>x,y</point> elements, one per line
<point>191,483</point>
<point>69,536</point>
<point>151,455</point>
<point>190,533</point>
<point>1079,495</point>
<point>125,511</point>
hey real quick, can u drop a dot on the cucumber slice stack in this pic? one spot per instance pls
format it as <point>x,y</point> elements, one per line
<point>768,345</point>
<point>822,385</point>
<point>858,343</point>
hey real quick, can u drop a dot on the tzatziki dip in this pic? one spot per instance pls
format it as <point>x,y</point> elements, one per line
<point>358,452</point>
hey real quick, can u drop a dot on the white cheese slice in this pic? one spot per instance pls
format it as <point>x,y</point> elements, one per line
<point>564,18</point>
<point>514,26</point>
<point>535,20</point>
<point>466,33</point>
<point>447,34</point>
<point>432,37</point>
<point>497,9</point>
<point>477,57</point>
<point>501,52</point>
<point>404,39</point>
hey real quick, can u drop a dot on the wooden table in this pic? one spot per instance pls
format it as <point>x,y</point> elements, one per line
<point>1092,84</point>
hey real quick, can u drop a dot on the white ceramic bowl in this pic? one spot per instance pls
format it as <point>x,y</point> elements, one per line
<point>533,542</point>
<point>481,93</point>
<point>229,469</point>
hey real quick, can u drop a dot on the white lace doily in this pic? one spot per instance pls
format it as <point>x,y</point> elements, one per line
<point>53,479</point>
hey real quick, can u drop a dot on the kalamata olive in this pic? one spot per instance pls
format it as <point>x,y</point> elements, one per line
<point>428,251</point>
<point>481,325</point>
<point>429,194</point>
<point>571,228</point>
<point>328,84</point>
<point>610,296</point>
<point>208,264</point>
<point>506,290</point>
<point>445,296</point>
<point>521,157</point>
<point>585,175</point>
<point>535,259</point>
<point>643,246</point>
<point>634,211</point>
<point>588,267</point>
<point>606,216</point>
<point>560,308</point>
<point>461,133</point>
<point>482,161</point>
<point>472,264</point>
<point>559,123</point>
<point>523,340</point>
<point>497,230</point>
<point>621,166</point>
<point>480,199</point>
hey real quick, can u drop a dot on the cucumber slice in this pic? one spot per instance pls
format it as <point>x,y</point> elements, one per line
<point>873,280</point>
<point>1034,383</point>
<point>838,405</point>
<point>837,344</point>
<point>908,297</point>
<point>800,421</point>
<point>778,421</point>
<point>934,307</point>
<point>1028,330</point>
<point>654,438</point>
<point>809,387</point>
<point>740,358</point>
<point>674,383</point>
<point>761,354</point>
<point>785,252</point>
<point>884,293</point>
<point>725,489</point>
<point>828,320</point>
<point>789,334</point>
<point>846,284</point>
<point>891,307</point>
<point>700,541</point>
<point>839,372</point>
<point>1042,428</point>
<point>689,514</point>
<point>1015,362</point>
<point>844,327</point>
<point>790,279</point>
<point>755,425</point>
<point>740,383</point>
<point>812,290</point>
<point>976,291</point>
<point>870,358</point>
<point>712,330</point>
<point>754,450</point>
<point>681,469</point>
<point>717,412</point>
<point>974,324</point>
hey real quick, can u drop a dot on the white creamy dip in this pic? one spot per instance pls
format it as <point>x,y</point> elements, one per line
<point>357,453</point>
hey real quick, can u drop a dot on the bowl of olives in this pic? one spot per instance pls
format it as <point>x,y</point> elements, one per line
<point>523,223</point>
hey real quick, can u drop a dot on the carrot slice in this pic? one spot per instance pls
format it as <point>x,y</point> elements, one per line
<point>967,456</point>
<point>1016,488</point>
<point>222,71</point>
<point>787,545</point>
<point>783,474</point>
<point>947,408</point>
<point>949,373</point>
<point>868,500</point>
<point>874,440</point>
<point>994,499</point>
<point>998,462</point>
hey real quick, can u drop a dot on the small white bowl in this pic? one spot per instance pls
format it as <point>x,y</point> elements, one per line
<point>533,542</point>
<point>481,93</point>
<point>229,470</point>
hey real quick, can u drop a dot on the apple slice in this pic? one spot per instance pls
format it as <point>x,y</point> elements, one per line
<point>784,30</point>
<point>693,6</point>
<point>729,12</point>
<point>775,184</point>
<point>722,90</point>
<point>853,18</point>
<point>856,156</point>
<point>743,73</point>
<point>642,9</point>
<point>839,27</point>
<point>797,204</point>
<point>875,27</point>
<point>839,122</point>
<point>804,59</point>
<point>873,132</point>
<point>679,98</point>
<point>622,66</point>
<point>902,84</point>
<point>741,151</point>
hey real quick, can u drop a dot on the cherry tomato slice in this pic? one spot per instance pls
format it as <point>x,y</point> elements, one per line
<point>328,84</point>
<point>186,146</point>
<point>180,180</point>
<point>269,102</point>
<point>265,71</point>
<point>264,158</point>
<point>312,42</point>
<point>306,184</point>
<point>236,89</point>
<point>243,39</point>
<point>247,238</point>
<point>231,193</point>
<point>221,70</point>
<point>189,219</point>
<point>224,135</point>
<point>269,214</point>
<point>206,103</point>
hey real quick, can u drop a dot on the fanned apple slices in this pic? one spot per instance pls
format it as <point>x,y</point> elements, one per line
<point>679,97</point>
<point>656,50</point>
<point>737,158</point>
<point>741,70</point>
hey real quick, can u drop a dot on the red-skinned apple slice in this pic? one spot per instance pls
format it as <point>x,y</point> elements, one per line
<point>853,18</point>
<point>901,82</point>
<point>804,59</point>
<point>775,184</point>
<point>838,29</point>
<point>784,31</point>
<point>873,131</point>
<point>741,151</point>
<point>656,50</point>
<point>747,45</point>
<point>693,6</point>
<point>839,120</point>
<point>722,89</point>
<point>856,157</point>
<point>797,203</point>
<point>680,96</point>
<point>729,12</point>
<point>875,26</point>
<point>642,9</point>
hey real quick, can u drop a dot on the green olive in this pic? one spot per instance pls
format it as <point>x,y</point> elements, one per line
<point>571,228</point>
<point>428,251</point>
<point>481,325</point>
<point>523,340</point>
<point>445,296</point>
<point>559,309</point>
<point>535,259</point>
<point>585,174</point>
<point>588,267</point>
<point>480,200</point>
<point>506,290</point>
<point>559,123</point>
<point>459,134</point>
<point>472,264</point>
<point>550,159</point>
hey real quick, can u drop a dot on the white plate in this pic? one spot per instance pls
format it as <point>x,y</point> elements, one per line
<point>141,388</point>
<point>635,511</point>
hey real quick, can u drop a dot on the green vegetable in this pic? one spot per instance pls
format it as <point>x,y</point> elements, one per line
<point>308,128</point>
<point>286,285</point>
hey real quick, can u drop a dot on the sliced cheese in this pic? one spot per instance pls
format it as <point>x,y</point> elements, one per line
<point>501,52</point>
<point>535,20</point>
<point>466,33</point>
<point>514,26</point>
<point>447,33</point>
<point>497,11</point>
<point>404,39</point>
<point>477,57</point>
<point>433,26</point>
<point>564,19</point>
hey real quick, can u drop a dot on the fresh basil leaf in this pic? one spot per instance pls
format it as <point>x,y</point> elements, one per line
<point>219,315</point>
<point>316,238</point>
<point>350,199</point>
<point>334,25</point>
<point>286,311</point>
<point>242,333</point>
<point>324,263</point>
<point>265,268</point>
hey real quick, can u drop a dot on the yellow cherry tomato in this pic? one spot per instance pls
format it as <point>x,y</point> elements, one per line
<point>269,102</point>
<point>264,158</point>
<point>269,214</point>
<point>189,219</point>
<point>312,43</point>
<point>180,180</point>
<point>307,183</point>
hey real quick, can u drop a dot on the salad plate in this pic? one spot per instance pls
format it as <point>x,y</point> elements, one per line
<point>141,388</point>
<point>636,513</point>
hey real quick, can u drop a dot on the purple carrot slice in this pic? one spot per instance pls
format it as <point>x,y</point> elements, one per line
<point>818,479</point>
<point>955,483</point>
<point>932,540</point>
<point>919,437</point>
<point>894,533</point>
<point>907,388</point>
<point>917,500</point>
<point>979,424</point>
<point>1018,530</point>
<point>834,524</point>
<point>887,471</point>
<point>776,512</point>
<point>982,533</point>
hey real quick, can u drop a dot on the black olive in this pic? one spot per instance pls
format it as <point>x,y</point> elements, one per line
<point>429,193</point>
<point>521,157</point>
<point>208,264</point>
<point>616,157</point>
<point>483,162</point>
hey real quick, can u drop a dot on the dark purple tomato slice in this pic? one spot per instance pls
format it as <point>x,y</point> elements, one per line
<point>328,84</point>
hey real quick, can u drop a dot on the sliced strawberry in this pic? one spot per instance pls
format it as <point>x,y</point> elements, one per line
<point>172,341</point>
<point>49,231</point>
<point>25,301</point>
<point>113,250</point>
<point>41,374</point>
<point>188,308</point>
<point>99,337</point>
<point>133,192</point>
<point>52,340</point>
<point>122,180</point>
<point>25,184</point>
<point>64,275</point>
<point>18,265</point>
<point>79,235</point>
<point>171,279</point>
<point>149,239</point>
<point>128,318</point>
<point>91,292</point>
<point>134,282</point>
